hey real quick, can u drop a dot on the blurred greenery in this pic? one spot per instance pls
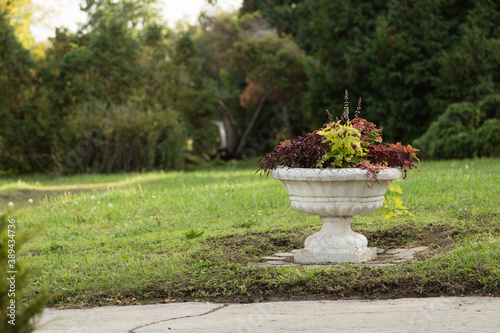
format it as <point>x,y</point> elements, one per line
<point>127,93</point>
<point>15,315</point>
<point>463,131</point>
<point>408,60</point>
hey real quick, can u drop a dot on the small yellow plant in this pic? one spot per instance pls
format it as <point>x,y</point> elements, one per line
<point>393,205</point>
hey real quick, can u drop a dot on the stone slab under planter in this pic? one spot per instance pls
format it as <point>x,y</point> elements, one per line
<point>390,257</point>
<point>307,256</point>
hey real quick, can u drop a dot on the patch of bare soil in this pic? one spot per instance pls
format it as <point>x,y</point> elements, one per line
<point>252,246</point>
<point>439,238</point>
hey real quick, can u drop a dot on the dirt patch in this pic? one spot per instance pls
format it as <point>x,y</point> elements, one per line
<point>439,238</point>
<point>252,246</point>
<point>476,217</point>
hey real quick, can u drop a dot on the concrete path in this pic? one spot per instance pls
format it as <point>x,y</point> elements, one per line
<point>441,314</point>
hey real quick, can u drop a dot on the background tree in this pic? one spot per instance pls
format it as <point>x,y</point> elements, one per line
<point>18,126</point>
<point>20,15</point>
<point>252,68</point>
<point>216,35</point>
<point>125,92</point>
<point>275,70</point>
<point>103,79</point>
<point>407,59</point>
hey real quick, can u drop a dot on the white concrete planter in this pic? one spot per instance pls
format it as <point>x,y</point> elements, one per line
<point>336,195</point>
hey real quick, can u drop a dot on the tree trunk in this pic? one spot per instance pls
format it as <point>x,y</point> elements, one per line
<point>249,128</point>
<point>286,120</point>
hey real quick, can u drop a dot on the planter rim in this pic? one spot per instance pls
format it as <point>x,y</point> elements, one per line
<point>330,174</point>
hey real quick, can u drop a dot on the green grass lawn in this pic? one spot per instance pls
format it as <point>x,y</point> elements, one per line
<point>137,238</point>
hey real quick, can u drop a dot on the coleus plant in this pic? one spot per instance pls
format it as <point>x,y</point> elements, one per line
<point>343,143</point>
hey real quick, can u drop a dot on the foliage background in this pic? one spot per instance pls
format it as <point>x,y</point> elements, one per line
<point>127,93</point>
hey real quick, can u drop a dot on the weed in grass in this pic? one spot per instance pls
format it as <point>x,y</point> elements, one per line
<point>56,248</point>
<point>28,210</point>
<point>247,224</point>
<point>192,234</point>
<point>159,219</point>
<point>77,215</point>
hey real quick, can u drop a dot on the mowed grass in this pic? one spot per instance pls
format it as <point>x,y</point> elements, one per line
<point>165,236</point>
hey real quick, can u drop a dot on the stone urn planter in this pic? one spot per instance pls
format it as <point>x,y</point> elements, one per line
<point>336,195</point>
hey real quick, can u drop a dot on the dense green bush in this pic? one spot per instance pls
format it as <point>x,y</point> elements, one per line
<point>464,131</point>
<point>487,138</point>
<point>128,137</point>
<point>490,107</point>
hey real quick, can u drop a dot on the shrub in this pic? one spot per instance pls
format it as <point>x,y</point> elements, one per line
<point>447,136</point>
<point>459,145</point>
<point>19,314</point>
<point>116,138</point>
<point>490,107</point>
<point>464,131</point>
<point>487,138</point>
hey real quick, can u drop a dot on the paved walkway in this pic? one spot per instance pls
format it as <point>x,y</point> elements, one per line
<point>440,314</point>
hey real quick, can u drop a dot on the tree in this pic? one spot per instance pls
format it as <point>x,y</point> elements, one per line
<point>276,66</point>
<point>252,68</point>
<point>20,15</point>
<point>289,17</point>
<point>135,14</point>
<point>217,34</point>
<point>407,59</point>
<point>114,84</point>
<point>17,112</point>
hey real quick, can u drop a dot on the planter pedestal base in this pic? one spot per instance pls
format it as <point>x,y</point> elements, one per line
<point>336,195</point>
<point>335,243</point>
<point>306,256</point>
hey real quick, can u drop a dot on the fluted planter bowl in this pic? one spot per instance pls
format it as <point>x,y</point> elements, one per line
<point>336,195</point>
